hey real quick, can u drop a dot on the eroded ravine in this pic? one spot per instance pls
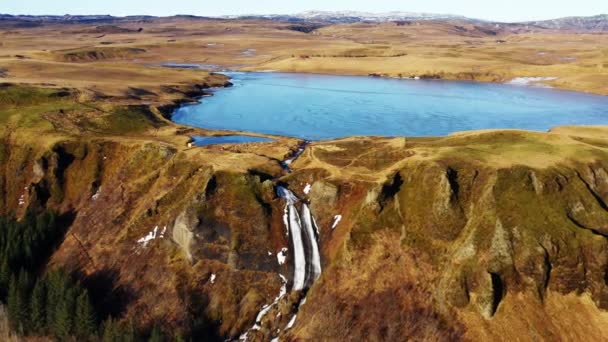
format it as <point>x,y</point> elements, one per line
<point>303,232</point>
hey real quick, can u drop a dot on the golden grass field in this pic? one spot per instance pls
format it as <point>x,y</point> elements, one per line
<point>105,58</point>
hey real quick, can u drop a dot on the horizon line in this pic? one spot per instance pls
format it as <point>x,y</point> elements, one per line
<point>236,16</point>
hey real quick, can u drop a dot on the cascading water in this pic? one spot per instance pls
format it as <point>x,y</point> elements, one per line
<point>313,270</point>
<point>302,228</point>
<point>304,234</point>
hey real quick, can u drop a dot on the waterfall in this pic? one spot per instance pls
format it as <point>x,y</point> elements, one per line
<point>313,270</point>
<point>303,232</point>
<point>299,256</point>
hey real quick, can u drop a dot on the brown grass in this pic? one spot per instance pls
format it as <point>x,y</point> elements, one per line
<point>449,50</point>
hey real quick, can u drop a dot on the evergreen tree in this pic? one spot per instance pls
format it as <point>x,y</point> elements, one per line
<point>18,302</point>
<point>85,321</point>
<point>64,315</point>
<point>110,333</point>
<point>24,288</point>
<point>128,332</point>
<point>13,303</point>
<point>156,335</point>
<point>57,284</point>
<point>38,308</point>
<point>5,276</point>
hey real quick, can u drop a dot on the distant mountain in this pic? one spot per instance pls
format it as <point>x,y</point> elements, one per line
<point>351,16</point>
<point>594,23</point>
<point>71,18</point>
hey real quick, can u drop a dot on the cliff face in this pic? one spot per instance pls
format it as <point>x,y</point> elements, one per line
<point>481,235</point>
<point>435,239</point>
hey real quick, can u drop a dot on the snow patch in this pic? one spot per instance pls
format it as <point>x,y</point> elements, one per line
<point>152,235</point>
<point>286,220</point>
<point>337,220</point>
<point>307,188</point>
<point>96,195</point>
<point>282,256</point>
<point>527,81</point>
<point>22,197</point>
<point>292,321</point>
<point>212,279</point>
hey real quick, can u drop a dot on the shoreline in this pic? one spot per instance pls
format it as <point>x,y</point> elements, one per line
<point>540,84</point>
<point>225,132</point>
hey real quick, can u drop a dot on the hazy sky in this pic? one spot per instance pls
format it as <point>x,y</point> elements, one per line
<point>504,10</point>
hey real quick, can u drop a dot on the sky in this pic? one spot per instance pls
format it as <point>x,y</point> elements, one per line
<point>499,10</point>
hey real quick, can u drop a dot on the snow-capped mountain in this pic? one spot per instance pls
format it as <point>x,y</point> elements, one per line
<point>352,16</point>
<point>594,23</point>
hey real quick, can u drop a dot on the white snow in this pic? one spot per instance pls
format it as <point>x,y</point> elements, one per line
<point>286,220</point>
<point>263,313</point>
<point>22,197</point>
<point>146,239</point>
<point>291,322</point>
<point>524,81</point>
<point>337,220</point>
<point>282,256</point>
<point>96,195</point>
<point>212,279</point>
<point>276,339</point>
<point>307,188</point>
<point>269,253</point>
<point>293,319</point>
<point>283,279</point>
<point>153,234</point>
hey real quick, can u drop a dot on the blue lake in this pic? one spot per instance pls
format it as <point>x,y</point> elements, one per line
<point>324,107</point>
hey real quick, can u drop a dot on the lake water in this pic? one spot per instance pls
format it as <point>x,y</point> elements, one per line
<point>323,107</point>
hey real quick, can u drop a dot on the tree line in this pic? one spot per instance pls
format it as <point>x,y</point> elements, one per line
<point>50,303</point>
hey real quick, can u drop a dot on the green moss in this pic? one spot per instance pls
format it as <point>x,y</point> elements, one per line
<point>127,120</point>
<point>18,96</point>
<point>22,107</point>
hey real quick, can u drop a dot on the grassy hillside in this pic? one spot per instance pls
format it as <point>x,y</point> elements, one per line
<point>483,235</point>
<point>80,55</point>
